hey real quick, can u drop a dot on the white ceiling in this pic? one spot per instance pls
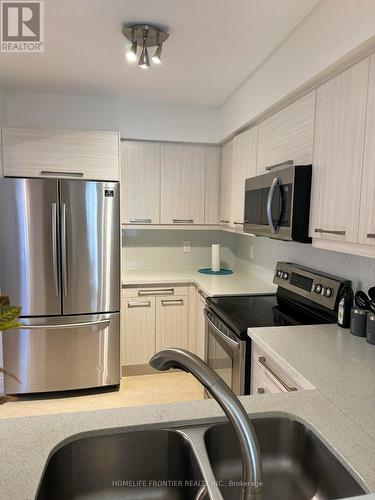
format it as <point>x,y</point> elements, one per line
<point>214,46</point>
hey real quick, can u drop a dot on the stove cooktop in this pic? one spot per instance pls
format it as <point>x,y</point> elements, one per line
<point>242,312</point>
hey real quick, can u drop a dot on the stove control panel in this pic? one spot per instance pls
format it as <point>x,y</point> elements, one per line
<point>313,285</point>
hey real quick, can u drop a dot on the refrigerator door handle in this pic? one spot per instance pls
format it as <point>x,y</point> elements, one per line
<point>54,250</point>
<point>64,326</point>
<point>63,249</point>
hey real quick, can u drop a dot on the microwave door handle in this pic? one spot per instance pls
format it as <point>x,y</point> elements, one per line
<point>274,185</point>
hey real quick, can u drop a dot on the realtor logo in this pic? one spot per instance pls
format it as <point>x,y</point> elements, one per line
<point>22,26</point>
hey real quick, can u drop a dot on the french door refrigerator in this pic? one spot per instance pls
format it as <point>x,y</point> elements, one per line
<point>60,261</point>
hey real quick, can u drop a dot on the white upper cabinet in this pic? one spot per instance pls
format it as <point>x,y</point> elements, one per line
<point>226,183</point>
<point>182,184</point>
<point>366,233</point>
<point>244,166</point>
<point>288,134</point>
<point>61,153</point>
<point>140,182</point>
<point>338,154</point>
<point>212,185</point>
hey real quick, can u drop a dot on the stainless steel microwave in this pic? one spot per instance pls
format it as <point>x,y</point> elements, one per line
<point>277,204</point>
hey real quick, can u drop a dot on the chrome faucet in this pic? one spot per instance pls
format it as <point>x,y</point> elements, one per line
<point>232,407</point>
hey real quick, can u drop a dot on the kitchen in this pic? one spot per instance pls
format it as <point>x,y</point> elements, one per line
<point>163,207</point>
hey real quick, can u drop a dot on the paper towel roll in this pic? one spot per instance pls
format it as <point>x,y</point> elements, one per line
<point>215,257</point>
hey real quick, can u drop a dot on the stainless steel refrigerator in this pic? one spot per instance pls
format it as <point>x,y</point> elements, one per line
<point>60,261</point>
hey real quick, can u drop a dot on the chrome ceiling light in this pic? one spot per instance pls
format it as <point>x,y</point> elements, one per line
<point>147,36</point>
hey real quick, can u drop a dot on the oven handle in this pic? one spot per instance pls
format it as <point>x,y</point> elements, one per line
<point>229,341</point>
<point>274,185</point>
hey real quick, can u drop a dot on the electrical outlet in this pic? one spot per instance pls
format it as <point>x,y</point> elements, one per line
<point>252,251</point>
<point>186,246</point>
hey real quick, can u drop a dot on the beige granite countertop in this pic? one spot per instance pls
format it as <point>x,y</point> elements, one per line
<point>338,364</point>
<point>233,284</point>
<point>334,362</point>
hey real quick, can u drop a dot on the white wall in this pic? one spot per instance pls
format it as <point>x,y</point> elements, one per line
<point>135,118</point>
<point>331,31</point>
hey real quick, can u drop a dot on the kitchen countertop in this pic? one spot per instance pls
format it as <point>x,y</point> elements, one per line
<point>340,366</point>
<point>231,284</point>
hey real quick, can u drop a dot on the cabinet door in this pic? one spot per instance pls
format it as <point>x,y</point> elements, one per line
<point>172,322</point>
<point>182,184</point>
<point>140,183</point>
<point>200,326</point>
<point>61,153</point>
<point>226,183</point>
<point>212,185</point>
<point>367,213</point>
<point>244,166</point>
<point>138,330</point>
<point>288,134</point>
<point>338,154</point>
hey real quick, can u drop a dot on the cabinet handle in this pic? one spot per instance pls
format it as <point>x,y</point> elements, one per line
<point>146,303</point>
<point>224,221</point>
<point>262,361</point>
<point>289,163</point>
<point>238,223</point>
<point>261,390</point>
<point>172,302</point>
<point>61,173</point>
<point>155,291</point>
<point>371,235</point>
<point>328,231</point>
<point>140,221</point>
<point>183,221</point>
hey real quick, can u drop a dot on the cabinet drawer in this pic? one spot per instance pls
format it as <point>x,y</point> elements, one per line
<point>155,291</point>
<point>261,384</point>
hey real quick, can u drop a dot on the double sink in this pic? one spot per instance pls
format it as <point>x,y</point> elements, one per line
<point>173,464</point>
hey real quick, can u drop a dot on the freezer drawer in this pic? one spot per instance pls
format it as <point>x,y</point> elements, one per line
<point>62,353</point>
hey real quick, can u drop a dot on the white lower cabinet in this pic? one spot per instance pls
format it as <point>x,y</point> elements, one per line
<point>172,322</point>
<point>138,339</point>
<point>271,376</point>
<point>152,319</point>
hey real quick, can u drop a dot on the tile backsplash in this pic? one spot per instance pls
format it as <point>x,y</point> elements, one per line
<point>163,249</point>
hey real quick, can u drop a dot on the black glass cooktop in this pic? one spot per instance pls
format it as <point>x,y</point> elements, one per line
<point>241,313</point>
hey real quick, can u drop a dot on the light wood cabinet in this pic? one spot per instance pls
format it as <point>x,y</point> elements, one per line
<point>366,234</point>
<point>140,182</point>
<point>212,185</point>
<point>154,318</point>
<point>226,183</point>
<point>60,153</point>
<point>244,166</point>
<point>338,155</point>
<point>288,134</point>
<point>138,335</point>
<point>182,184</point>
<point>172,322</point>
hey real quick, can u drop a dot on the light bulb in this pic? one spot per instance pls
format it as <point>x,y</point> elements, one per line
<point>131,55</point>
<point>156,58</point>
<point>144,61</point>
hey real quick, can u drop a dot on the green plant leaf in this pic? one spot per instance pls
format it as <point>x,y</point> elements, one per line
<point>8,317</point>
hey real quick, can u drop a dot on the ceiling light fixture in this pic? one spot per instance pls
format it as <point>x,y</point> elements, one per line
<point>146,36</point>
<point>131,55</point>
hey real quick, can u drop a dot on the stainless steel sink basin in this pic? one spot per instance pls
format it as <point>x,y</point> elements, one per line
<point>171,464</point>
<point>134,465</point>
<point>296,464</point>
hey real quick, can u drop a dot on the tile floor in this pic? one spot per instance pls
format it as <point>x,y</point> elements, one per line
<point>134,391</point>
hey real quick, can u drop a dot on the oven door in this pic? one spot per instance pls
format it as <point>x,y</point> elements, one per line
<point>268,204</point>
<point>225,354</point>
